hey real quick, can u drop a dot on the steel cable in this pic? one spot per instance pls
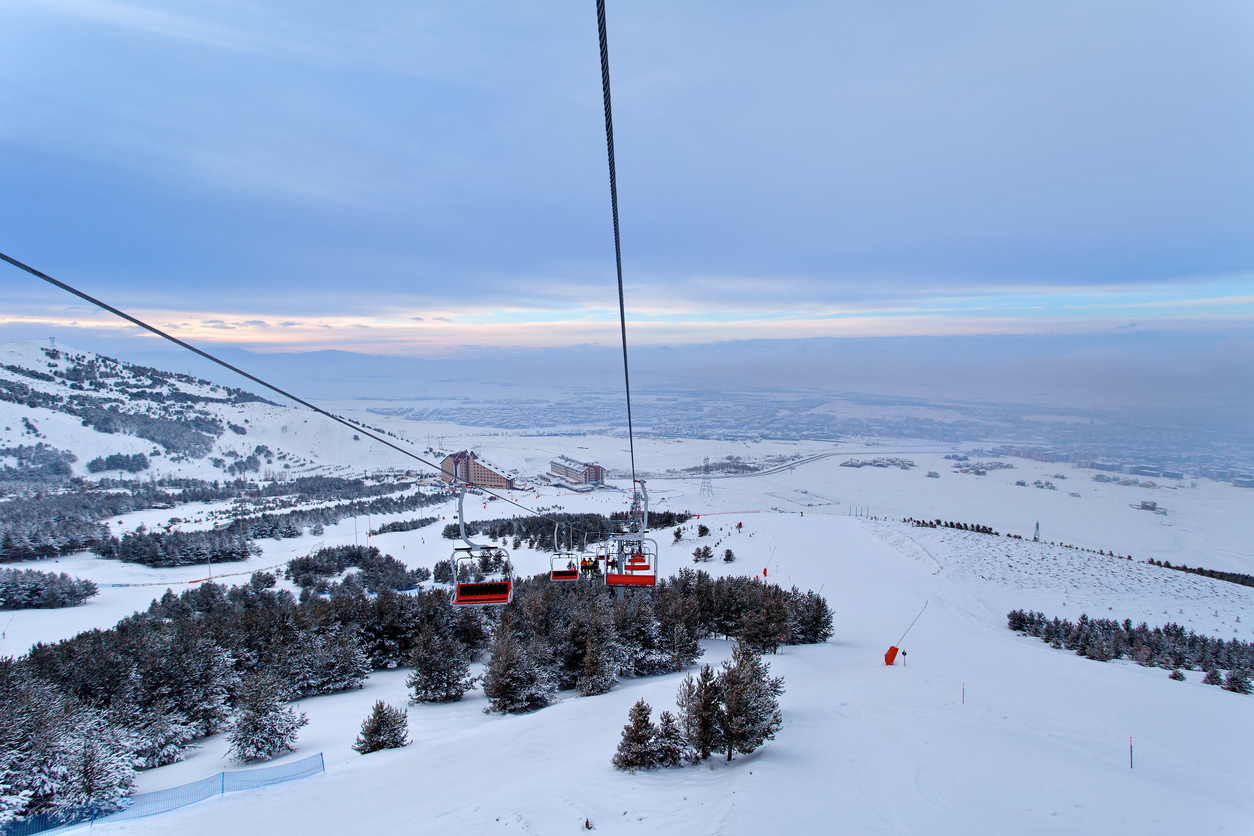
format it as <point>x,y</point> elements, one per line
<point>618,253</point>
<point>356,427</point>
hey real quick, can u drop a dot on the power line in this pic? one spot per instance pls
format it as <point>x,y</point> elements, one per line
<point>357,428</point>
<point>618,253</point>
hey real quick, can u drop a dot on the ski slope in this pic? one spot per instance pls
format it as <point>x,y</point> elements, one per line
<point>1040,745</point>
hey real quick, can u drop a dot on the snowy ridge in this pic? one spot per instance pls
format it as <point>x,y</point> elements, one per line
<point>1069,581</point>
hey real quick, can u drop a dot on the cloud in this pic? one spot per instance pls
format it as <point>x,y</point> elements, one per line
<point>825,168</point>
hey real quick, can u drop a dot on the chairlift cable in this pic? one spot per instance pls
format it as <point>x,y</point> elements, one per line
<point>618,253</point>
<point>355,427</point>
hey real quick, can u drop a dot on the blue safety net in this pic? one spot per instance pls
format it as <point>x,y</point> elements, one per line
<point>151,803</point>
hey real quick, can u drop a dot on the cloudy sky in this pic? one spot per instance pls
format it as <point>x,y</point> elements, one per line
<point>410,177</point>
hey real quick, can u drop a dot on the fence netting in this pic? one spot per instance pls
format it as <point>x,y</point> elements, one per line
<point>151,803</point>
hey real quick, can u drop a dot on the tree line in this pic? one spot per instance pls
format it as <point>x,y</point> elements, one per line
<point>1170,647</point>
<point>45,525</point>
<point>77,716</point>
<point>377,571</point>
<point>1230,577</point>
<point>22,589</point>
<point>235,541</point>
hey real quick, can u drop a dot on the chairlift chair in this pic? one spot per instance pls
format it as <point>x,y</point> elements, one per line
<point>564,566</point>
<point>482,575</point>
<point>633,562</point>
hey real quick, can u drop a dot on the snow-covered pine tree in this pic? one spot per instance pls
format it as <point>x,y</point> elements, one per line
<point>515,681</point>
<point>1238,681</point>
<point>262,727</point>
<point>669,746</point>
<point>1212,677</point>
<point>698,702</point>
<point>810,619</point>
<point>640,636</point>
<point>600,668</point>
<point>749,713</point>
<point>340,663</point>
<point>385,728</point>
<point>441,667</point>
<point>636,749</point>
<point>97,760</point>
<point>159,735</point>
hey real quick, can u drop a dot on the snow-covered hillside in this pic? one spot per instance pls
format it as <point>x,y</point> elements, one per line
<point>976,730</point>
<point>94,407</point>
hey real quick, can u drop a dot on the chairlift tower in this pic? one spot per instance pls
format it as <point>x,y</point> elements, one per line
<point>707,486</point>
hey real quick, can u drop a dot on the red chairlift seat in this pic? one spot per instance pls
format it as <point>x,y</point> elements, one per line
<point>482,576</point>
<point>639,565</point>
<point>564,567</point>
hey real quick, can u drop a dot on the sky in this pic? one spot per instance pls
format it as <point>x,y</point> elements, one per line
<point>415,178</point>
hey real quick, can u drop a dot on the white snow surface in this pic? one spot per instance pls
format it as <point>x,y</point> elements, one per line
<point>1039,746</point>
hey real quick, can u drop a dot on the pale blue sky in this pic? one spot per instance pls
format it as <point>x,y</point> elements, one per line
<point>289,175</point>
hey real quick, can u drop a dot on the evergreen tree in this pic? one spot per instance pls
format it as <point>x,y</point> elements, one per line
<point>441,667</point>
<point>749,714</point>
<point>97,759</point>
<point>640,636</point>
<point>515,681</point>
<point>1212,678</point>
<point>698,701</point>
<point>599,668</point>
<point>669,745</point>
<point>159,736</point>
<point>1176,675</point>
<point>1238,681</point>
<point>636,748</point>
<point>729,556</point>
<point>385,728</point>
<point>262,727</point>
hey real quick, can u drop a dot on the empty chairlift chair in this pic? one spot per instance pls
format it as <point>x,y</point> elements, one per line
<point>482,575</point>
<point>564,566</point>
<point>633,562</point>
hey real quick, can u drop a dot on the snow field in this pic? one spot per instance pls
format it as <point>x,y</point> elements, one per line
<point>1039,747</point>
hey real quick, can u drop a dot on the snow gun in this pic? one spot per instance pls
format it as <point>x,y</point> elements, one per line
<point>891,655</point>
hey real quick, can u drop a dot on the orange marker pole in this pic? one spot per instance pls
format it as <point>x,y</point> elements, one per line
<point>1129,753</point>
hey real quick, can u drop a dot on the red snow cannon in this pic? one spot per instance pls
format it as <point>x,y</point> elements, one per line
<point>891,655</point>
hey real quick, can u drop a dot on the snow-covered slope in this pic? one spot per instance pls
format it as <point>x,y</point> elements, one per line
<point>94,407</point>
<point>1040,744</point>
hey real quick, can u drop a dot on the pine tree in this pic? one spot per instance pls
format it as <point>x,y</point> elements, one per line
<point>698,702</point>
<point>1176,675</point>
<point>515,682</point>
<point>749,714</point>
<point>441,667</point>
<point>1238,681</point>
<point>262,727</point>
<point>385,728</point>
<point>599,668</point>
<point>669,745</point>
<point>98,764</point>
<point>1212,678</point>
<point>636,749</point>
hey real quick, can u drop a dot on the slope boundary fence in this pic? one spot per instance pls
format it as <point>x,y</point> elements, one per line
<point>162,801</point>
